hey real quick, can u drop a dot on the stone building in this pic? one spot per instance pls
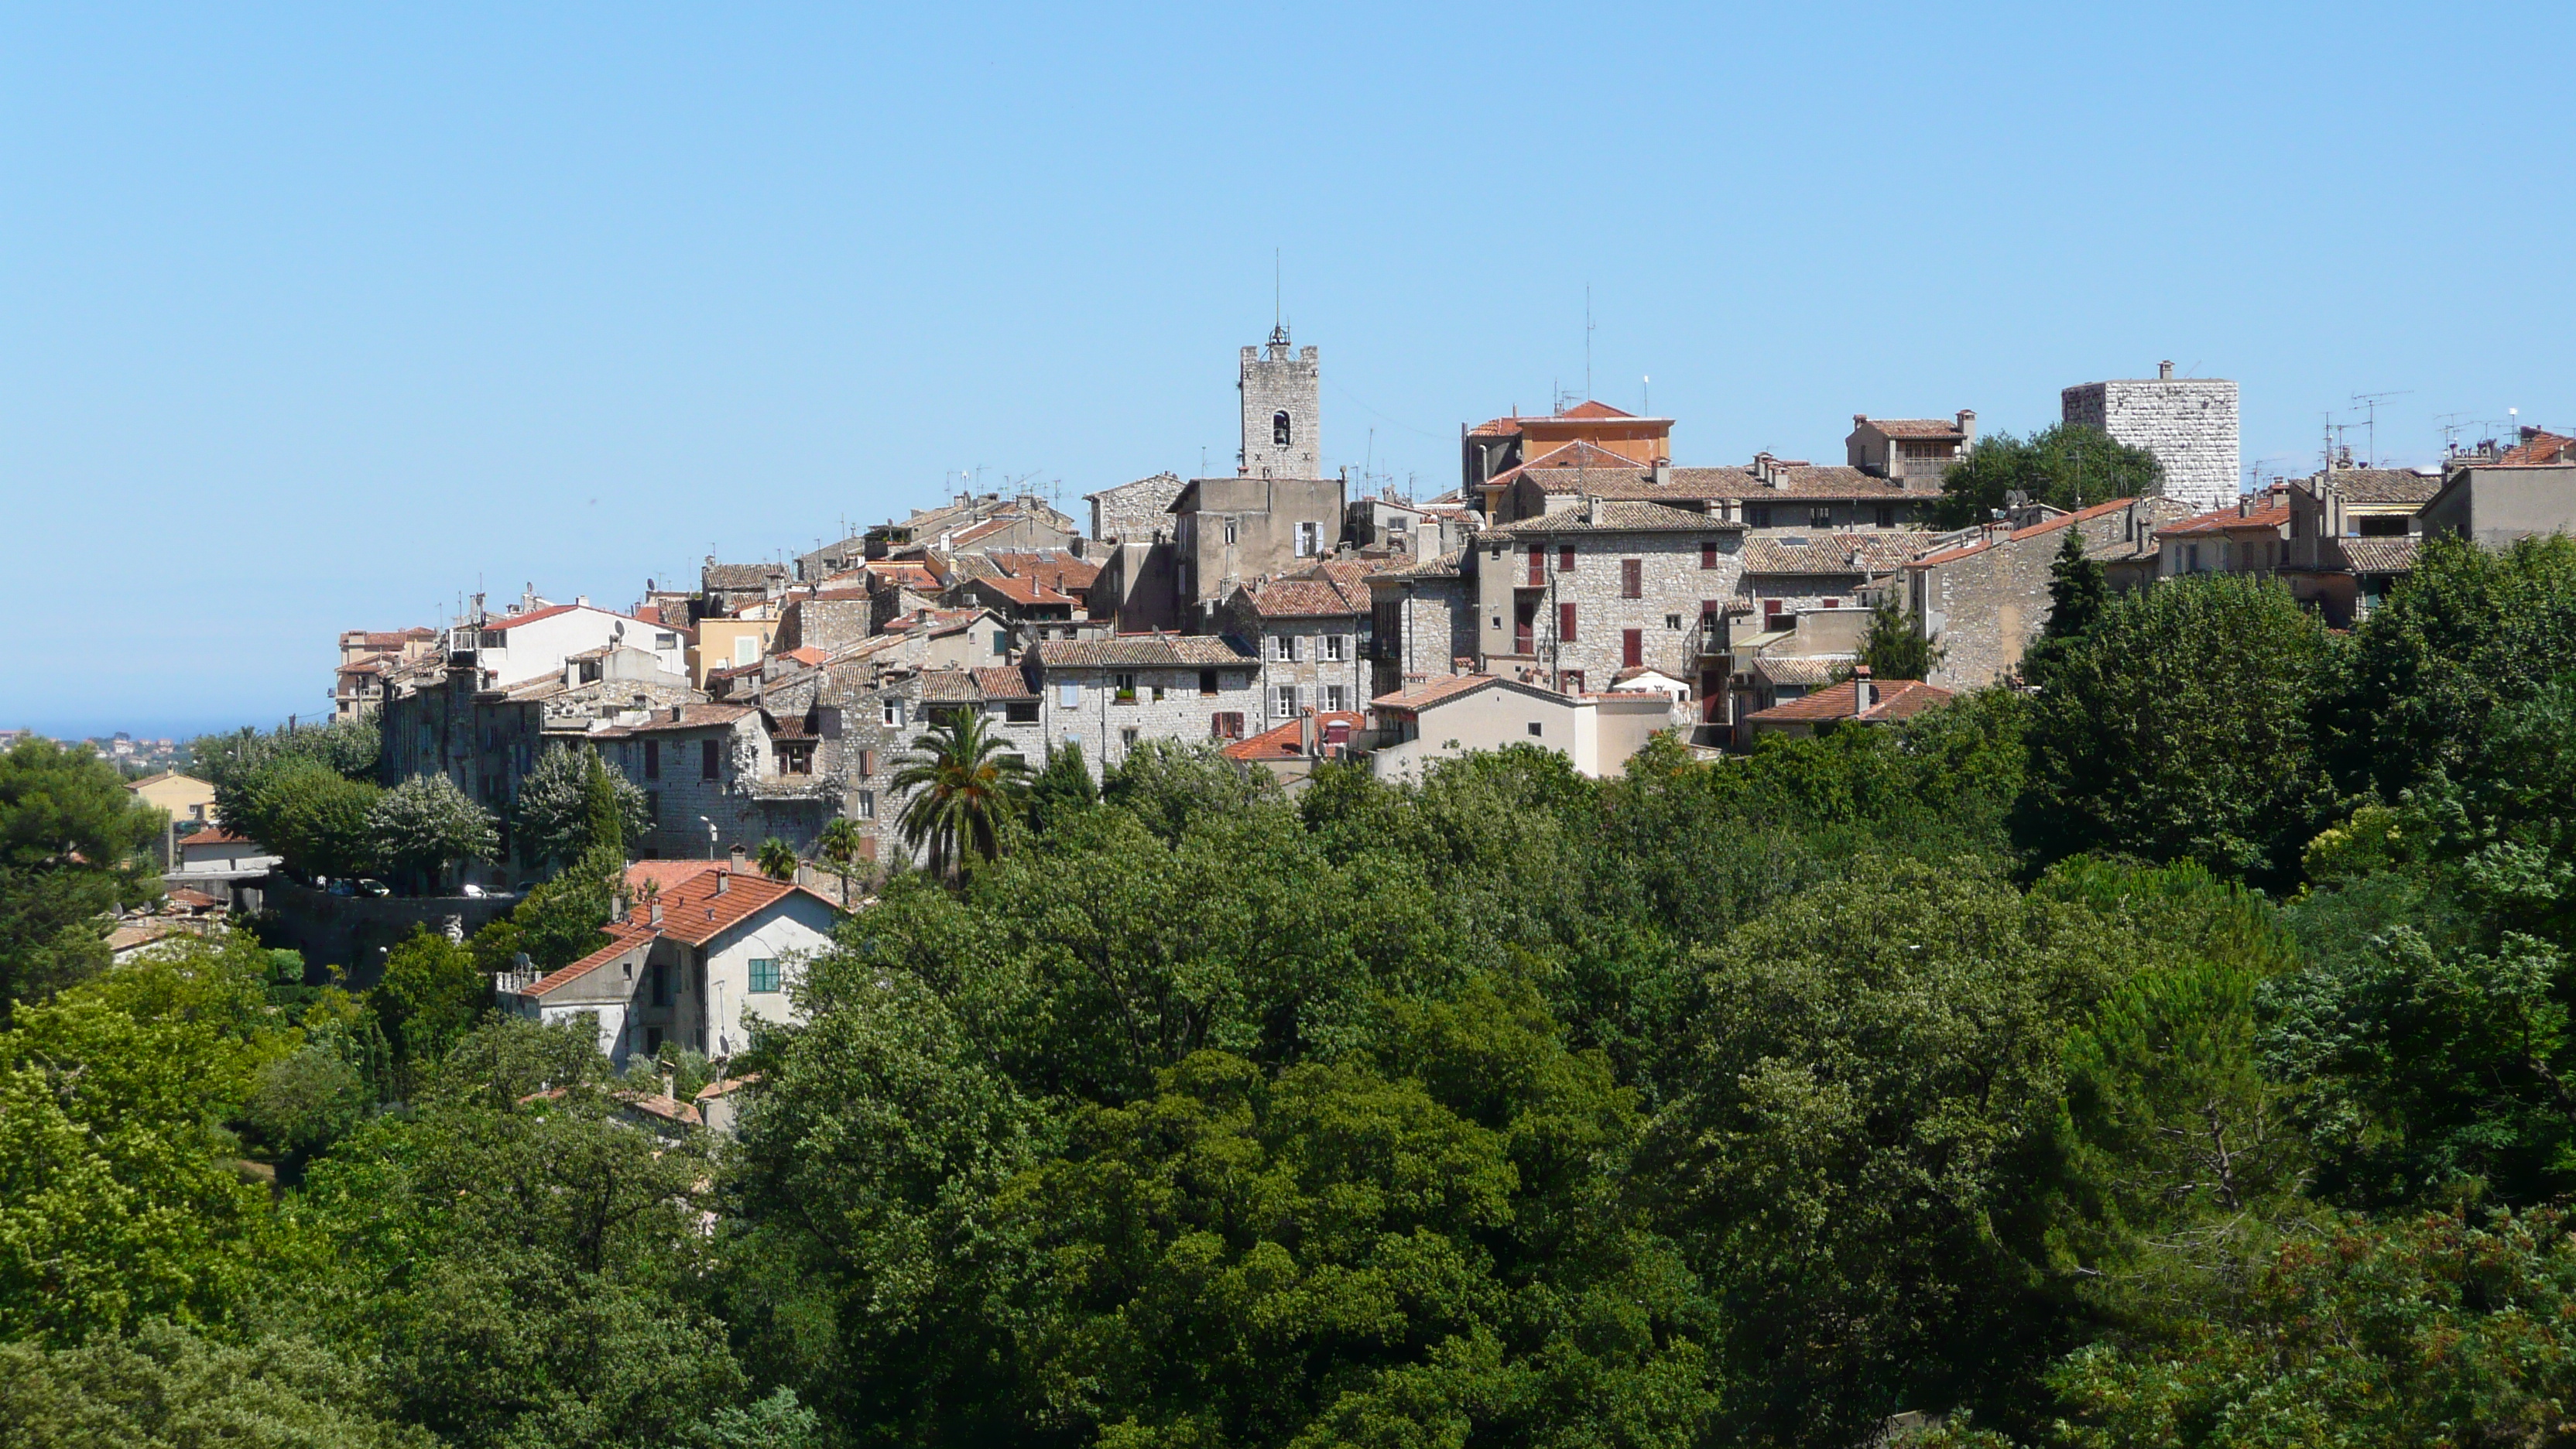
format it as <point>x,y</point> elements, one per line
<point>1108,695</point>
<point>1282,411</point>
<point>1571,598</point>
<point>1910,448</point>
<point>2353,535</point>
<point>1983,600</point>
<point>1784,574</point>
<point>2492,504</point>
<point>2189,423</point>
<point>1422,621</point>
<point>1229,530</point>
<point>724,588</point>
<point>1593,431</point>
<point>2251,536</point>
<point>721,776</point>
<point>1133,512</point>
<point>1310,630</point>
<point>1769,495</point>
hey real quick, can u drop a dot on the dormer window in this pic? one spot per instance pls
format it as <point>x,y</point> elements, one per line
<point>1282,431</point>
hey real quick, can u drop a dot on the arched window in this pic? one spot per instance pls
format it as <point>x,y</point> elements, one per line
<point>1281,432</point>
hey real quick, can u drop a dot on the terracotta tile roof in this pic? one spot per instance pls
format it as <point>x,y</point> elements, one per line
<point>1897,699</point>
<point>1415,697</point>
<point>1915,427</point>
<point>2380,555</point>
<point>950,686</point>
<point>1133,650</point>
<point>622,938</point>
<point>1590,410</point>
<point>1288,741</point>
<point>142,933</point>
<point>1579,456</point>
<point>1306,598</point>
<point>1052,567</point>
<point>809,656</point>
<point>192,899</point>
<point>694,912</point>
<point>1002,681</point>
<point>1691,485</point>
<point>692,717</point>
<point>2228,520</point>
<point>513,621</point>
<point>1803,669</point>
<point>727,1086</point>
<point>1833,554</point>
<point>740,576</point>
<point>2382,485</point>
<point>2539,447</point>
<point>667,873</point>
<point>1448,566</point>
<point>1025,591</point>
<point>213,835</point>
<point>2083,515</point>
<point>1496,427</point>
<point>1617,517</point>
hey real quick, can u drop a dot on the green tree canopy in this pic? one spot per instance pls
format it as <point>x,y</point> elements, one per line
<point>570,801</point>
<point>1062,788</point>
<point>2177,728</point>
<point>71,835</point>
<point>319,821</point>
<point>426,824</point>
<point>2067,466</point>
<point>1896,646</point>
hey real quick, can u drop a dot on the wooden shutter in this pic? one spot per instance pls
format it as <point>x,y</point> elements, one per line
<point>1565,623</point>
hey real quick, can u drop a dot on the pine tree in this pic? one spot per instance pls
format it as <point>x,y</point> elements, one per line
<point>1897,647</point>
<point>1061,789</point>
<point>603,812</point>
<point>2077,588</point>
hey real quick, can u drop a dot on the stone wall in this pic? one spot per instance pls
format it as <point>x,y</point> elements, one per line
<point>1272,384</point>
<point>1985,607</point>
<point>357,932</point>
<point>1673,588</point>
<point>1134,512</point>
<point>2188,423</point>
<point>1099,722</point>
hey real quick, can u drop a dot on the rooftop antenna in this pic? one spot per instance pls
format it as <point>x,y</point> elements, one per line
<point>2450,425</point>
<point>1646,395</point>
<point>2371,402</point>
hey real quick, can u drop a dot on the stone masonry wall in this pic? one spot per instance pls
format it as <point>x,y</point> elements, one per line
<point>1134,512</point>
<point>1985,609</point>
<point>2188,423</point>
<point>1098,722</point>
<point>1274,384</point>
<point>1673,587</point>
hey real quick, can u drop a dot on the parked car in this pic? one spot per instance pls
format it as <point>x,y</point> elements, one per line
<point>339,887</point>
<point>374,888</point>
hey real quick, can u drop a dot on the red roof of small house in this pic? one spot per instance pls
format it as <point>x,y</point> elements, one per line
<point>2230,520</point>
<point>667,873</point>
<point>213,835</point>
<point>2539,447</point>
<point>1896,699</point>
<point>1288,741</point>
<point>1431,691</point>
<point>1915,427</point>
<point>695,909</point>
<point>2051,525</point>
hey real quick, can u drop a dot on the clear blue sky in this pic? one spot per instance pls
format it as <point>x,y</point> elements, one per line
<point>311,319</point>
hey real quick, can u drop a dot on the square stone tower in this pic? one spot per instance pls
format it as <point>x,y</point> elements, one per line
<point>2189,423</point>
<point>1282,411</point>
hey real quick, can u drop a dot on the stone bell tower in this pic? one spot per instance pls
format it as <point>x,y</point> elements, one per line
<point>1282,414</point>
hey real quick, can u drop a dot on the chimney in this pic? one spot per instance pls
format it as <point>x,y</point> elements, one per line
<point>724,880</point>
<point>1967,428</point>
<point>1592,509</point>
<point>1663,472</point>
<point>739,856</point>
<point>657,913</point>
<point>1864,692</point>
<point>675,713</point>
<point>2164,371</point>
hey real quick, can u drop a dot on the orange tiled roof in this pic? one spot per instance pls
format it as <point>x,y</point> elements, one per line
<point>1897,699</point>
<point>1288,741</point>
<point>1431,691</point>
<point>2539,447</point>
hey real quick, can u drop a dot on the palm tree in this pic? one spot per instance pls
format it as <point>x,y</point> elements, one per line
<point>840,845</point>
<point>963,784</point>
<point>777,859</point>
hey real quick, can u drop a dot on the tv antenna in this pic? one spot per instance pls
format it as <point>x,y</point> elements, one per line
<point>2370,418</point>
<point>1587,341</point>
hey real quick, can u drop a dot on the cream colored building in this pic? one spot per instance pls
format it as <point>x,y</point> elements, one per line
<point>1444,718</point>
<point>183,797</point>
<point>732,641</point>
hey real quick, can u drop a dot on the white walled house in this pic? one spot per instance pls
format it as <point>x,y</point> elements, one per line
<point>695,961</point>
<point>537,638</point>
<point>1444,718</point>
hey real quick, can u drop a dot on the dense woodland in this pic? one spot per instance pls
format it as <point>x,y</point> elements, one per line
<point>2175,1051</point>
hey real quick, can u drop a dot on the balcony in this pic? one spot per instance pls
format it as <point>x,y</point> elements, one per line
<point>825,786</point>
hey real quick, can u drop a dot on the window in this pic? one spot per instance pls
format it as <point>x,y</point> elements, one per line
<point>764,973</point>
<point>1565,632</point>
<point>1020,711</point>
<point>1573,681</point>
<point>1126,687</point>
<point>1757,515</point>
<point>1068,696</point>
<point>746,649</point>
<point>867,763</point>
<point>1672,621</point>
<point>892,713</point>
<point>1708,553</point>
<point>1282,431</point>
<point>1534,728</point>
<point>867,804</point>
<point>795,757</point>
<point>1565,558</point>
<point>1229,531</point>
<point>1770,610</point>
<point>1284,702</point>
<point>1226,724</point>
<point>1538,564</point>
<point>1207,682</point>
<point>1283,647</point>
<point>1632,648</point>
<point>653,808</point>
<point>1632,578</point>
<point>661,984</point>
<point>1335,648</point>
<point>1821,516</point>
<point>666,641</point>
<point>1833,603</point>
<point>652,1040</point>
<point>1886,515</point>
<point>1127,738</point>
<point>1001,644</point>
<point>1310,539</point>
<point>1336,698</point>
<point>710,759</point>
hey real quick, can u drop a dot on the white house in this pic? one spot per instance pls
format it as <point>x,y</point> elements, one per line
<point>697,960</point>
<point>536,638</point>
<point>1457,714</point>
